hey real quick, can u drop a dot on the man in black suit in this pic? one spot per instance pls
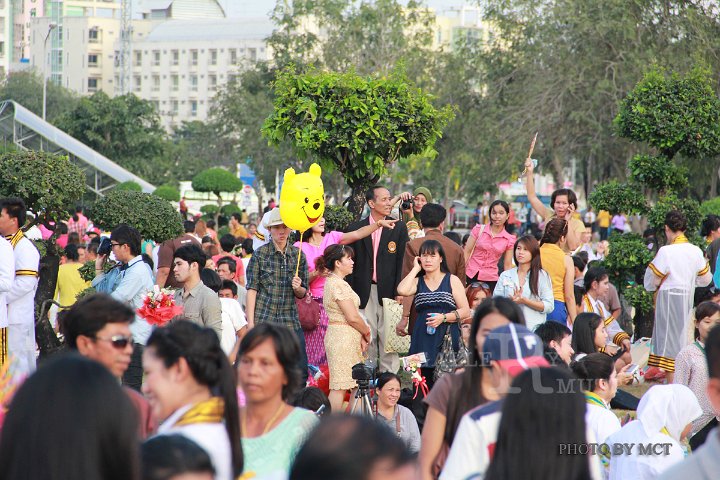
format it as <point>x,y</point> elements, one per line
<point>378,270</point>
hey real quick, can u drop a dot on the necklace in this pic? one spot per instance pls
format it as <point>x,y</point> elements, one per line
<point>267,425</point>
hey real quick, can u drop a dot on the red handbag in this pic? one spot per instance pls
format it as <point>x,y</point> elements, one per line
<point>308,312</point>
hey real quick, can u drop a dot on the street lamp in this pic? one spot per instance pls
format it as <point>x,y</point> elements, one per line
<point>51,27</point>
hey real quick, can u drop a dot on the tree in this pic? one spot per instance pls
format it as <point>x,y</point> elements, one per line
<point>155,218</point>
<point>195,145</point>
<point>25,87</point>
<point>48,184</point>
<point>356,125</point>
<point>125,129</point>
<point>167,192</point>
<point>674,115</point>
<point>216,181</point>
<point>128,186</point>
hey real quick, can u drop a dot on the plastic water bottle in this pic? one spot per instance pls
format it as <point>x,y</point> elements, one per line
<point>430,330</point>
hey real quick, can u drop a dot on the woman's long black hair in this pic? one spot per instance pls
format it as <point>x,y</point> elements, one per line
<point>536,420</point>
<point>200,347</point>
<point>583,336</point>
<point>470,394</point>
<point>70,420</point>
<point>433,246</point>
<point>531,245</point>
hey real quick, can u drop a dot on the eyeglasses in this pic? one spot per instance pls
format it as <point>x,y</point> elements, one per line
<point>113,245</point>
<point>480,284</point>
<point>118,341</point>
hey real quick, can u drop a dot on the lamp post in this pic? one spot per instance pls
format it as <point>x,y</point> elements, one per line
<point>51,27</point>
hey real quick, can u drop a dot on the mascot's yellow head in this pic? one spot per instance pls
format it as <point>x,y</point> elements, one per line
<point>302,199</point>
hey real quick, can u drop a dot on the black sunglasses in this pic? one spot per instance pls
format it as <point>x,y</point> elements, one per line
<point>118,341</point>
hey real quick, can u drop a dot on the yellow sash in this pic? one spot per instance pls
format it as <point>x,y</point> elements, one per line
<point>209,411</point>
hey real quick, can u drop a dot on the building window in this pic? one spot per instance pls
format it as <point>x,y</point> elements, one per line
<point>175,82</point>
<point>156,58</point>
<point>193,57</point>
<point>193,83</point>
<point>156,83</point>
<point>212,82</point>
<point>92,84</point>
<point>93,35</point>
<point>92,60</point>
<point>174,107</point>
<point>233,56</point>
<point>213,57</point>
<point>193,108</point>
<point>175,57</point>
<point>138,58</point>
<point>252,54</point>
<point>138,82</point>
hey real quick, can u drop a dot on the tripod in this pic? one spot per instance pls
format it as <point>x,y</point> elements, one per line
<point>361,404</point>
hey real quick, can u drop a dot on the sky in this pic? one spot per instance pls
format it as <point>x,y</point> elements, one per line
<point>259,8</point>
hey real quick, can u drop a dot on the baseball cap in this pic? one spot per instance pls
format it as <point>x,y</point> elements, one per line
<point>514,348</point>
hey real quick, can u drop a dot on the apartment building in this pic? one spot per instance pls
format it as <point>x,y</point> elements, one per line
<point>181,64</point>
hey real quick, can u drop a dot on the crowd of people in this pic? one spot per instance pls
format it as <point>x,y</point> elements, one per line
<point>520,349</point>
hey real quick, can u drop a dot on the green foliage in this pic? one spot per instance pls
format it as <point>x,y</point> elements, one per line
<point>711,206</point>
<point>658,173</point>
<point>673,113</point>
<point>128,186</point>
<point>690,207</point>
<point>84,293</point>
<point>337,218</point>
<point>25,87</point>
<point>229,209</point>
<point>638,297</point>
<point>47,183</point>
<point>616,197</point>
<point>87,270</point>
<point>195,145</point>
<point>627,258</point>
<point>209,209</point>
<point>167,192</point>
<point>353,124</point>
<point>126,129</point>
<point>216,180</point>
<point>155,218</point>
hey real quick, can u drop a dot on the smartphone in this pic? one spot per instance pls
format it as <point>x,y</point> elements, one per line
<point>632,369</point>
<point>105,246</point>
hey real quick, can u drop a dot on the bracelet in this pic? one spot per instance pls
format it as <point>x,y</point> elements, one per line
<point>457,316</point>
<point>444,318</point>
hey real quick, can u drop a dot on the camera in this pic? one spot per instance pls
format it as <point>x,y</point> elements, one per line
<point>362,374</point>
<point>105,246</point>
<point>407,204</point>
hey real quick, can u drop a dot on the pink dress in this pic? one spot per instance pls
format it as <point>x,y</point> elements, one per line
<point>315,340</point>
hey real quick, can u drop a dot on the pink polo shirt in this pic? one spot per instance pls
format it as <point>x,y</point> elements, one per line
<point>487,252</point>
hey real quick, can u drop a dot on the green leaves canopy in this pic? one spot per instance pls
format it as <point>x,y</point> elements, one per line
<point>48,183</point>
<point>616,197</point>
<point>216,180</point>
<point>153,217</point>
<point>167,192</point>
<point>357,125</point>
<point>675,114</point>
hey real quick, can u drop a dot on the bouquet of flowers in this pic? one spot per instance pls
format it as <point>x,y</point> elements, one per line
<point>412,364</point>
<point>159,307</point>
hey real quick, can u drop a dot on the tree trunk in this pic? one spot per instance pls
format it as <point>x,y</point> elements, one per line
<point>644,323</point>
<point>356,200</point>
<point>557,171</point>
<point>217,214</point>
<point>45,336</point>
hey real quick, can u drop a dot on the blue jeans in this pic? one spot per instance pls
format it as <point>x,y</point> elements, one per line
<point>559,314</point>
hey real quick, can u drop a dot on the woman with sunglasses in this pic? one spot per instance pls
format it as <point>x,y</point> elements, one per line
<point>314,242</point>
<point>440,303</point>
<point>561,269</point>
<point>269,374</point>
<point>191,388</point>
<point>348,335</point>
<point>487,243</point>
<point>528,284</point>
<point>563,204</point>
